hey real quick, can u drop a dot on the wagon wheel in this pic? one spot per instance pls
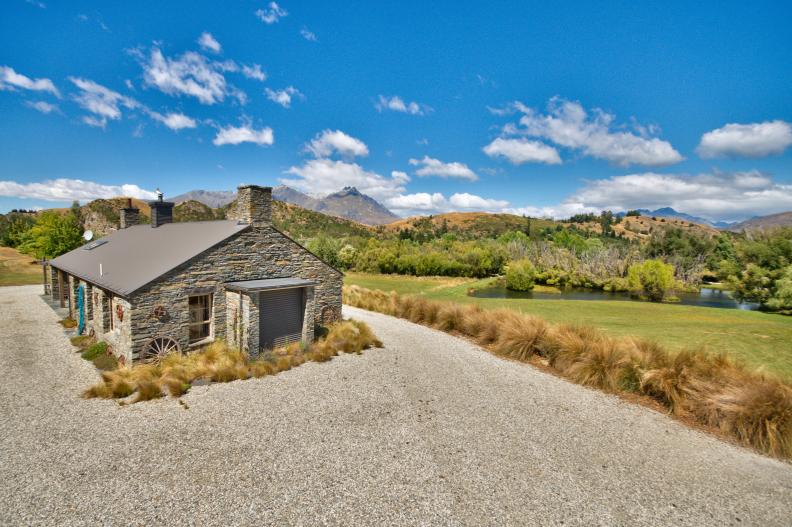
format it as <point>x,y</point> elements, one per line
<point>160,347</point>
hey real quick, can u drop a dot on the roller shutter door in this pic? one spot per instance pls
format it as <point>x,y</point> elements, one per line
<point>281,317</point>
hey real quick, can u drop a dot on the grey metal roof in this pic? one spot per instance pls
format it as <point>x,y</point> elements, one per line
<point>131,258</point>
<point>268,283</point>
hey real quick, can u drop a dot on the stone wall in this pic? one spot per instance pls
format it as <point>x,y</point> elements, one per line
<point>255,253</point>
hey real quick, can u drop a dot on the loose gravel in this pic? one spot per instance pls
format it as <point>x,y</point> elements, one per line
<point>430,430</point>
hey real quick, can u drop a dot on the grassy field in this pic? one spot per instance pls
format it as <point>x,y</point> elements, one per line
<point>761,340</point>
<point>17,268</point>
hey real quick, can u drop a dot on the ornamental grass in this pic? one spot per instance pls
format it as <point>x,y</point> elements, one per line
<point>714,390</point>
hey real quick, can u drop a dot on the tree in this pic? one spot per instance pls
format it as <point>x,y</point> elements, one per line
<point>651,278</point>
<point>347,256</point>
<point>13,227</point>
<point>52,235</point>
<point>520,275</point>
<point>782,298</point>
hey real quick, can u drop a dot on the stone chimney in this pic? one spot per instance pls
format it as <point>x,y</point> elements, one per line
<point>130,216</point>
<point>253,205</point>
<point>161,211</point>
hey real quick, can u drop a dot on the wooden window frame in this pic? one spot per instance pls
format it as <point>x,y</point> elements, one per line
<point>207,322</point>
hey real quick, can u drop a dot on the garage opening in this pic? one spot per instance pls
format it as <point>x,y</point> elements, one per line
<point>281,306</point>
<point>281,317</point>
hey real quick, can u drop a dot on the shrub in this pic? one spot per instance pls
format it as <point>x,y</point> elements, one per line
<point>520,275</point>
<point>105,362</point>
<point>217,362</point>
<point>94,350</point>
<point>68,323</point>
<point>651,278</point>
<point>782,298</point>
<point>82,341</point>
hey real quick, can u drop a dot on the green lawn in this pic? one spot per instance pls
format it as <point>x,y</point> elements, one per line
<point>760,339</point>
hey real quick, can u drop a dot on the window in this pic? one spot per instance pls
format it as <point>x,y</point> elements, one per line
<point>107,312</point>
<point>200,318</point>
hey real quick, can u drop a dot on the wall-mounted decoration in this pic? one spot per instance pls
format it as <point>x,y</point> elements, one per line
<point>120,312</point>
<point>160,313</point>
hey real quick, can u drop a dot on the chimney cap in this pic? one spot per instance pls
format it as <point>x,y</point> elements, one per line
<point>254,186</point>
<point>159,194</point>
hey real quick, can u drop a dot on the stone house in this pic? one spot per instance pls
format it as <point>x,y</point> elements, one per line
<point>153,289</point>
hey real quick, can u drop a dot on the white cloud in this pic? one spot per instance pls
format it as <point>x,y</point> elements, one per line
<point>426,203</point>
<point>520,151</point>
<point>435,167</point>
<point>308,35</point>
<point>173,120</point>
<point>71,189</point>
<point>716,196</point>
<point>254,72</point>
<point>283,97</point>
<point>330,141</point>
<point>234,135</point>
<point>323,176</point>
<point>191,74</point>
<point>567,124</point>
<point>209,43</point>
<point>397,104</point>
<point>43,107</point>
<point>271,14</point>
<point>40,5</point>
<point>103,102</point>
<point>746,140</point>
<point>10,80</point>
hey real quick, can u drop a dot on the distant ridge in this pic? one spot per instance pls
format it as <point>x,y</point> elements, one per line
<point>348,203</point>
<point>668,212</point>
<point>782,219</point>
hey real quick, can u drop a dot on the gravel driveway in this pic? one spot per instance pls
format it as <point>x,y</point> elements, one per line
<point>430,430</point>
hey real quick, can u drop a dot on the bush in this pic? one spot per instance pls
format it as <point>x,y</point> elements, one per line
<point>94,350</point>
<point>520,275</point>
<point>651,278</point>
<point>175,373</point>
<point>782,298</point>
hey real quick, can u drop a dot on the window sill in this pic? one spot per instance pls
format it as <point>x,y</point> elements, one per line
<point>199,343</point>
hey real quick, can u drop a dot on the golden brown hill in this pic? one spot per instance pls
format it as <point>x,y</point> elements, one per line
<point>475,224</point>
<point>641,227</point>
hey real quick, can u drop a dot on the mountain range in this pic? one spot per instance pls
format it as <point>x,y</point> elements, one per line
<point>668,212</point>
<point>348,203</point>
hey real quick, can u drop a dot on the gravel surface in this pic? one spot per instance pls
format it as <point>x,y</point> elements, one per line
<point>430,430</point>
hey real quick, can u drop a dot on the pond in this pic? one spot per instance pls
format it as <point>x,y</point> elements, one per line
<point>707,297</point>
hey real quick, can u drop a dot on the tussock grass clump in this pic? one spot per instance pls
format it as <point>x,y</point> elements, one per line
<point>82,341</point>
<point>712,389</point>
<point>94,350</point>
<point>216,362</point>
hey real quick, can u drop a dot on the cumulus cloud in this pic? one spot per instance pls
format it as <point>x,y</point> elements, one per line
<point>397,104</point>
<point>308,35</point>
<point>335,141</point>
<point>254,72</point>
<point>63,189</point>
<point>174,121</point>
<point>520,151</point>
<point>715,196</point>
<point>271,14</point>
<point>435,167</point>
<point>746,140</point>
<point>191,74</point>
<point>43,106</point>
<point>234,135</point>
<point>284,96</point>
<point>209,43</point>
<point>10,80</point>
<point>102,102</point>
<point>424,202</point>
<point>323,176</point>
<point>569,125</point>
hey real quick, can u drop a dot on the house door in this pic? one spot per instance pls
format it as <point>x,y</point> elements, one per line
<point>281,317</point>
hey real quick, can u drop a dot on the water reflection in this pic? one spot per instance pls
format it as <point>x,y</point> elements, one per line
<point>707,297</point>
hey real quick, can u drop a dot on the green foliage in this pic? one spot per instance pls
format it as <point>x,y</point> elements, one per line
<point>13,227</point>
<point>347,256</point>
<point>326,248</point>
<point>765,257</point>
<point>94,350</point>
<point>520,275</point>
<point>651,278</point>
<point>52,235</point>
<point>782,297</point>
<point>632,213</point>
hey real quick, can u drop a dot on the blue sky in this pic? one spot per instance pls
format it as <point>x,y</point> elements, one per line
<point>427,106</point>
